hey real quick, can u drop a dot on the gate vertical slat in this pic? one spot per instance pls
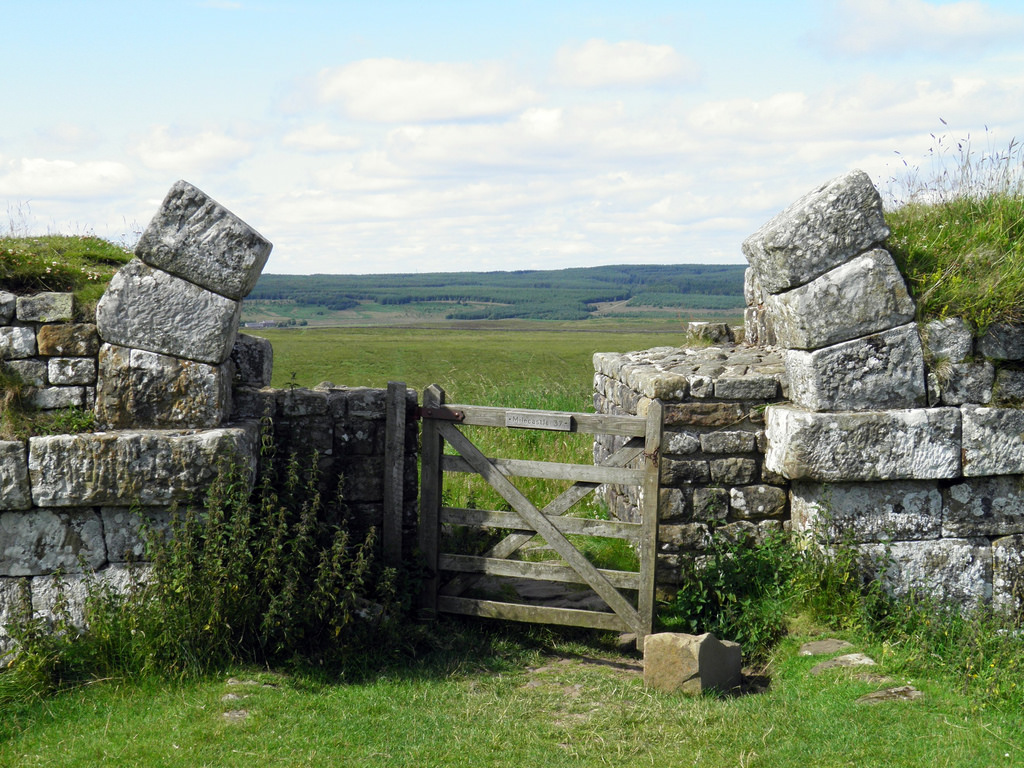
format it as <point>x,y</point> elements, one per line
<point>650,513</point>
<point>430,500</point>
<point>394,472</point>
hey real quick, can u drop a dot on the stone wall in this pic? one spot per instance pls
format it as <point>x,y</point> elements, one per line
<point>175,390</point>
<point>906,440</point>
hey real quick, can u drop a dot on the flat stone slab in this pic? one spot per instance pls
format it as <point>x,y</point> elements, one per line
<point>843,662</point>
<point>821,230</point>
<point>147,468</point>
<point>899,693</point>
<point>912,444</point>
<point>877,372</point>
<point>993,441</point>
<point>150,309</point>
<point>893,510</point>
<point>197,239</point>
<point>824,647</point>
<point>692,664</point>
<point>863,296</point>
<point>140,389</point>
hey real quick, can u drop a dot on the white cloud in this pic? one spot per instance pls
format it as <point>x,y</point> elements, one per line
<point>167,150</point>
<point>393,90</point>
<point>320,138</point>
<point>599,63</point>
<point>39,178</point>
<point>899,26</point>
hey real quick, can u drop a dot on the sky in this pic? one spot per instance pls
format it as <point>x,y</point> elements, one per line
<point>393,136</point>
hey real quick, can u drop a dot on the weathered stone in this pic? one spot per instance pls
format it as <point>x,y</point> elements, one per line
<point>993,442</point>
<point>302,402</point>
<point>824,647</point>
<point>753,293</point>
<point>146,308</point>
<point>952,571</point>
<point>66,371</point>
<point>194,237</point>
<point>866,512</point>
<point>984,506</point>
<point>704,414</point>
<point>881,371</point>
<point>17,343</point>
<point>31,372</point>
<point>919,444</point>
<point>845,661</point>
<point>1008,574</point>
<point>685,537</point>
<point>8,303</point>
<point>1009,387</point>
<point>701,386</point>
<point>710,505</point>
<point>728,442</point>
<point>68,340</point>
<point>899,693</point>
<point>15,492</point>
<point>43,540</point>
<point>950,339</point>
<point>149,468</point>
<point>124,530</point>
<point>358,436</point>
<point>750,387</point>
<point>733,471</point>
<point>821,230</point>
<point>716,333</point>
<point>864,296</point>
<point>52,398</point>
<point>757,501</point>
<point>254,361</point>
<point>678,472</point>
<point>248,403</point>
<point>364,478</point>
<point>10,600</point>
<point>968,383</point>
<point>660,384</point>
<point>675,503</point>
<point>693,664</point>
<point>140,389</point>
<point>45,308</point>
<point>1003,341</point>
<point>681,443</point>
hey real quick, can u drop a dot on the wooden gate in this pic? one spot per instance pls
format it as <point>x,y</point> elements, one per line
<point>455,573</point>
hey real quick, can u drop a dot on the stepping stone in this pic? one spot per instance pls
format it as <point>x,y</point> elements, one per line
<point>900,693</point>
<point>823,647</point>
<point>849,660</point>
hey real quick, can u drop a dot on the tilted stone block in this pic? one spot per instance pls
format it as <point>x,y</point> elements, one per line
<point>15,492</point>
<point>993,441</point>
<point>949,339</point>
<point>66,371</point>
<point>1003,341</point>
<point>863,296</point>
<point>17,343</point>
<point>45,308</point>
<point>821,230</point>
<point>194,237</point>
<point>1008,574</point>
<point>68,340</point>
<point>149,309</point>
<point>951,571</point>
<point>693,664</point>
<point>913,444</point>
<point>884,370</point>
<point>984,506</point>
<point>866,512</point>
<point>43,540</point>
<point>149,468</point>
<point>140,389</point>
<point>254,361</point>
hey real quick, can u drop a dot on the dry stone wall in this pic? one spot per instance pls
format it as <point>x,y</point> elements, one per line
<point>907,440</point>
<point>175,390</point>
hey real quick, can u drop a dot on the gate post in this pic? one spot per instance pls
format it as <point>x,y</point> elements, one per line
<point>394,472</point>
<point>430,501</point>
<point>650,502</point>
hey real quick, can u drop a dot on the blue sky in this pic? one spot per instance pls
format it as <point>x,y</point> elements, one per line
<point>409,136</point>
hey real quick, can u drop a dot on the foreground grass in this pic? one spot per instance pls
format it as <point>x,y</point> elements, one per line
<point>497,696</point>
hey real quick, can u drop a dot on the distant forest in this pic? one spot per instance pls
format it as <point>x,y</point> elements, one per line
<point>561,294</point>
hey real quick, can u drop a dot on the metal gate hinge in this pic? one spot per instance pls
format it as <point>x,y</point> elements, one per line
<point>442,414</point>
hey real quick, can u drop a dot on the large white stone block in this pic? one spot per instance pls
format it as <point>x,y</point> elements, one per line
<point>863,296</point>
<point>951,571</point>
<point>866,512</point>
<point>911,444</point>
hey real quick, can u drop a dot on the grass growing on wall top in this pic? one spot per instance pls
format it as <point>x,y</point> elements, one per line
<point>958,237</point>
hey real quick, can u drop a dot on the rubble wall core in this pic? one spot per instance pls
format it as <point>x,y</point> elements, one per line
<point>839,415</point>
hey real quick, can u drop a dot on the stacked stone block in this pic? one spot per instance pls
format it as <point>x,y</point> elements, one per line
<point>52,355</point>
<point>713,476</point>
